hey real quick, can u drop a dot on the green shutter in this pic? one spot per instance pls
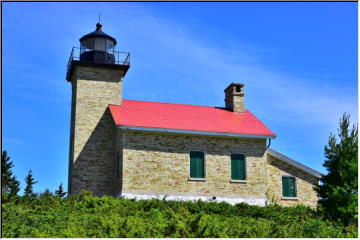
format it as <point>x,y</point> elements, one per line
<point>285,187</point>
<point>197,165</point>
<point>292,187</point>
<point>288,186</point>
<point>238,167</point>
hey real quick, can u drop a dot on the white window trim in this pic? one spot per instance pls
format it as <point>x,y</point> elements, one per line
<point>197,179</point>
<point>237,180</point>
<point>289,198</point>
<point>282,190</point>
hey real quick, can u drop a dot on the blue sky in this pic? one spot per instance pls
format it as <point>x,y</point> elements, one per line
<point>298,62</point>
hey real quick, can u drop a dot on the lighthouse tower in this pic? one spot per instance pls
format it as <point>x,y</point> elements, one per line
<point>95,71</point>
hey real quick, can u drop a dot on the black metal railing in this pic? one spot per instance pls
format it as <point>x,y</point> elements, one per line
<point>108,57</point>
<point>71,58</point>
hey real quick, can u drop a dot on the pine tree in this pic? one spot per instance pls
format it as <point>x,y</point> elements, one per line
<point>6,171</point>
<point>339,188</point>
<point>46,193</point>
<point>9,183</point>
<point>14,186</point>
<point>60,192</point>
<point>30,181</point>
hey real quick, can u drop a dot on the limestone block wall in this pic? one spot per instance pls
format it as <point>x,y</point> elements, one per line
<point>234,100</point>
<point>118,169</point>
<point>92,151</point>
<point>158,164</point>
<point>305,183</point>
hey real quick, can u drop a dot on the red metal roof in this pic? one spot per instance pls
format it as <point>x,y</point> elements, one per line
<point>187,117</point>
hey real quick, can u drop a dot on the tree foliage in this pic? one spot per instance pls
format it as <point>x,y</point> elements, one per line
<point>6,172</point>
<point>14,187</point>
<point>9,184</point>
<point>338,190</point>
<point>30,181</point>
<point>60,192</point>
<point>46,193</point>
<point>84,216</point>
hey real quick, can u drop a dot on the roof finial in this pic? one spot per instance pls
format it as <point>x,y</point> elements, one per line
<point>98,25</point>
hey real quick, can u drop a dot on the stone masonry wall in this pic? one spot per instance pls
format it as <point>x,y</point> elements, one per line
<point>304,183</point>
<point>156,163</point>
<point>118,181</point>
<point>235,100</point>
<point>92,149</point>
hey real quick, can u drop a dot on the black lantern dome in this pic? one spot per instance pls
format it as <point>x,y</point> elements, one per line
<point>97,47</point>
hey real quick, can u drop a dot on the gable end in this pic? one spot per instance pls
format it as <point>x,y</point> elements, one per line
<point>294,163</point>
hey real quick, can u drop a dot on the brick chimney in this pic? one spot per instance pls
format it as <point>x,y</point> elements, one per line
<point>234,97</point>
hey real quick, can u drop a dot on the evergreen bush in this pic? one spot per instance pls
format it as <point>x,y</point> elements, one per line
<point>84,215</point>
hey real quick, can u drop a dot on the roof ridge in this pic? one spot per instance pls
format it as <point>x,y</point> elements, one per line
<point>182,104</point>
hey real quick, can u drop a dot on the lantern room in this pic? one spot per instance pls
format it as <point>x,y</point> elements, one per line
<point>97,47</point>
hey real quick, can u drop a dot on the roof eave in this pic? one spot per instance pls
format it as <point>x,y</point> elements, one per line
<point>194,132</point>
<point>294,163</point>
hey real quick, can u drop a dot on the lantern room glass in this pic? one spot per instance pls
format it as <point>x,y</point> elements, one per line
<point>97,44</point>
<point>97,49</point>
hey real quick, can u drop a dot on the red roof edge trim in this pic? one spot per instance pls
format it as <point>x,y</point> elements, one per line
<point>272,134</point>
<point>193,132</point>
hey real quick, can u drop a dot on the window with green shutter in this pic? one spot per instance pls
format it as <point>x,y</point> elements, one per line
<point>288,187</point>
<point>238,168</point>
<point>197,168</point>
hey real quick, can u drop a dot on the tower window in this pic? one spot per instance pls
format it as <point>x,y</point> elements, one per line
<point>237,88</point>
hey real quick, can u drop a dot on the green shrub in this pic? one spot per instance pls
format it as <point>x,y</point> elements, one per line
<point>84,215</point>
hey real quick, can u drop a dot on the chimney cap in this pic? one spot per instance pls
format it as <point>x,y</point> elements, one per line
<point>234,84</point>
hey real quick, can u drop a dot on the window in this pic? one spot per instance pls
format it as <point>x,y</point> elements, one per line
<point>238,169</point>
<point>237,89</point>
<point>197,168</point>
<point>288,187</point>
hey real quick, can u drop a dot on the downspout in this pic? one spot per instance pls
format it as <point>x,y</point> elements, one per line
<point>269,143</point>
<point>268,200</point>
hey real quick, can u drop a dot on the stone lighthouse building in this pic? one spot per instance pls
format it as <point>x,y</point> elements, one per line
<point>95,71</point>
<point>141,149</point>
